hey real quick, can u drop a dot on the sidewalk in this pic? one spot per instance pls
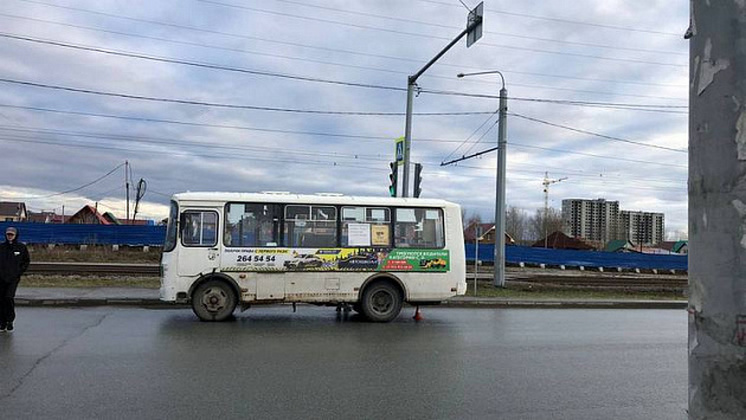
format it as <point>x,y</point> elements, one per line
<point>109,296</point>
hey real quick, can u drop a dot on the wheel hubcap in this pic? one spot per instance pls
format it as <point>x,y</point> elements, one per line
<point>214,299</point>
<point>382,302</point>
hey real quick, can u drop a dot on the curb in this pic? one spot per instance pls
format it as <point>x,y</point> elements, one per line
<point>54,302</point>
<point>471,303</point>
<point>536,304</point>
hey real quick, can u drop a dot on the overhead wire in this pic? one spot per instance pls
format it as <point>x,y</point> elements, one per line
<point>222,126</point>
<point>88,184</point>
<point>325,49</point>
<point>438,25</point>
<point>212,66</point>
<point>570,21</point>
<point>259,108</point>
<point>603,136</point>
<point>374,28</point>
<point>164,141</point>
<point>429,36</point>
<point>466,140</point>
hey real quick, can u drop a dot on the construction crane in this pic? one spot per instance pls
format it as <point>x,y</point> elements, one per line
<point>546,183</point>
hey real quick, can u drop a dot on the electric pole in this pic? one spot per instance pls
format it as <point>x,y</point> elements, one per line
<point>127,188</point>
<point>546,183</point>
<point>717,210</point>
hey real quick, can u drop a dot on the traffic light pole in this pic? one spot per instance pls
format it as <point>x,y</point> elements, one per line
<point>412,83</point>
<point>408,136</point>
<point>717,210</point>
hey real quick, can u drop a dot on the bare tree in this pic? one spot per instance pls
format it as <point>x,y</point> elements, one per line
<point>471,220</point>
<point>516,223</point>
<point>541,225</point>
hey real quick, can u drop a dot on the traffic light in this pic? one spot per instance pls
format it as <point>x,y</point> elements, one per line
<point>417,180</point>
<point>393,178</point>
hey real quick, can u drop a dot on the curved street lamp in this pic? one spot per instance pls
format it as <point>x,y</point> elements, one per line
<point>502,145</point>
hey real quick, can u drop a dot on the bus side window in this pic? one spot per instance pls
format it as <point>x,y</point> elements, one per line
<point>419,228</point>
<point>199,228</point>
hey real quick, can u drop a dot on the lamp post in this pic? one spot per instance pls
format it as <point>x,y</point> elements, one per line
<point>500,187</point>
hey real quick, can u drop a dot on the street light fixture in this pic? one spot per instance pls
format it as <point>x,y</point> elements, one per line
<point>500,187</point>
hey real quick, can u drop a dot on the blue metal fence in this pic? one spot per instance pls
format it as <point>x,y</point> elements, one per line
<point>72,234</point>
<point>530,255</point>
<point>64,234</point>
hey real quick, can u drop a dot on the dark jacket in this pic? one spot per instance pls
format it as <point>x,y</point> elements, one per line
<point>14,260</point>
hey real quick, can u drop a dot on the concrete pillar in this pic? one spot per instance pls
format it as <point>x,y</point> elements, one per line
<point>717,210</point>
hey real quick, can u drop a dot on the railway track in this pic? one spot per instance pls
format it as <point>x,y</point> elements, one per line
<point>109,269</point>
<point>611,281</point>
<point>544,278</point>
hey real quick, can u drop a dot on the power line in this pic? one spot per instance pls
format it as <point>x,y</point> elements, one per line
<point>574,22</point>
<point>526,146</point>
<point>251,107</point>
<point>172,153</point>
<point>172,141</point>
<point>471,135</point>
<point>603,136</point>
<point>161,141</point>
<point>70,190</point>
<point>191,102</point>
<point>394,31</point>
<point>399,32</point>
<point>325,49</point>
<point>227,126</point>
<point>212,66</point>
<point>610,105</point>
<point>199,64</point>
<point>437,25</point>
<point>136,137</point>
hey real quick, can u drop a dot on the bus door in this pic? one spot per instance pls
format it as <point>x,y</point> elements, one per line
<point>199,251</point>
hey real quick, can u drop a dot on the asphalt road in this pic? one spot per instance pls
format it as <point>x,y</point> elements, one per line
<point>272,363</point>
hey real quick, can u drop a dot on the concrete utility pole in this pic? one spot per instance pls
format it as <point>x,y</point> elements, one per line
<point>127,187</point>
<point>717,210</point>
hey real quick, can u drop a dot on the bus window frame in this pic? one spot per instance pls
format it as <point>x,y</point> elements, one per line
<point>389,223</point>
<point>281,223</point>
<point>198,210</point>
<point>337,224</point>
<point>441,212</point>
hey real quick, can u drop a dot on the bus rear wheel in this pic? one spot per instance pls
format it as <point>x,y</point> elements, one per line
<point>214,300</point>
<point>381,302</point>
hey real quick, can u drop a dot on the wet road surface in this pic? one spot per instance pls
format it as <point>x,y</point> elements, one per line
<point>272,363</point>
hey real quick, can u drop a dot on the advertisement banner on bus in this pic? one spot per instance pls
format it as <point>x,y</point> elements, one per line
<point>334,259</point>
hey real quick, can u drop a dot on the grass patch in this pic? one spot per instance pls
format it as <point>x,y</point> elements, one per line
<point>38,280</point>
<point>487,290</point>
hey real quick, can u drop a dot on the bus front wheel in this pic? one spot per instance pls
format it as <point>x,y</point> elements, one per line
<point>381,302</point>
<point>214,300</point>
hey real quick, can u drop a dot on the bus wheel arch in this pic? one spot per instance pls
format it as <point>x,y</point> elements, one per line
<point>214,297</point>
<point>381,298</point>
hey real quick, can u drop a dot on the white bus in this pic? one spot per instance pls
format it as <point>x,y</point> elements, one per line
<point>373,253</point>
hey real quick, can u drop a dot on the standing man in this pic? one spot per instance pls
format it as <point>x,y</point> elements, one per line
<point>14,260</point>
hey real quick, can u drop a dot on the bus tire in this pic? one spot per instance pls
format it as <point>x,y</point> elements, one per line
<point>214,301</point>
<point>381,302</point>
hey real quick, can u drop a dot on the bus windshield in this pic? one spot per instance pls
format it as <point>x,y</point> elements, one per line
<point>173,216</point>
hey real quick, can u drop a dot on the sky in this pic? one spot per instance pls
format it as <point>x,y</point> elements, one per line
<point>307,96</point>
